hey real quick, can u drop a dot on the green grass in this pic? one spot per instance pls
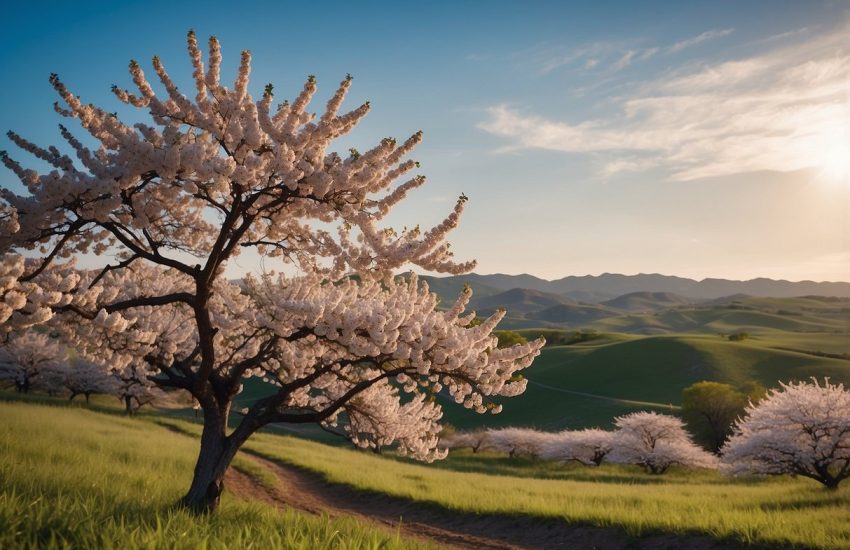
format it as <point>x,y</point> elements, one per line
<point>72,478</point>
<point>720,319</point>
<point>775,511</point>
<point>584,385</point>
<point>769,511</point>
<point>85,479</point>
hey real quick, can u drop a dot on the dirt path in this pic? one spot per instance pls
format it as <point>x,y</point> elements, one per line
<point>309,492</point>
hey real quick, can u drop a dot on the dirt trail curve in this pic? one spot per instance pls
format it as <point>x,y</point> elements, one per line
<point>309,492</point>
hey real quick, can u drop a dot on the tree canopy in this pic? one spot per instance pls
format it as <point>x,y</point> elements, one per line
<point>165,205</point>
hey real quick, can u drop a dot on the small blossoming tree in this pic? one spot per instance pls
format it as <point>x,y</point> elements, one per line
<point>801,429</point>
<point>517,441</point>
<point>87,378</point>
<point>32,360</point>
<point>174,200</point>
<point>133,386</point>
<point>588,447</point>
<point>656,442</point>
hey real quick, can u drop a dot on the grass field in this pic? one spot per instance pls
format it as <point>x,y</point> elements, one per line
<point>768,512</point>
<point>588,384</point>
<point>72,478</point>
<point>79,478</point>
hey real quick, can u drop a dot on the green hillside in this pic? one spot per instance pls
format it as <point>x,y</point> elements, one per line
<point>518,301</point>
<point>571,314</point>
<point>584,385</point>
<point>73,478</point>
<point>721,319</point>
<point>646,301</point>
<point>81,479</point>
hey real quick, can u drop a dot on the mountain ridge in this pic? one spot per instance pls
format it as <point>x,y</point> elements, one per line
<point>598,288</point>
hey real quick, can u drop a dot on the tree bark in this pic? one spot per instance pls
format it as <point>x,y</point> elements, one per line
<point>216,454</point>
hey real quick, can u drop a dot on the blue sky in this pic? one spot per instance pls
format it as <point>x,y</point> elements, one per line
<point>698,140</point>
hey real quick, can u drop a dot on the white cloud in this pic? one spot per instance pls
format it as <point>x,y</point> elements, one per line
<point>609,56</point>
<point>703,37</point>
<point>781,110</point>
<point>625,60</point>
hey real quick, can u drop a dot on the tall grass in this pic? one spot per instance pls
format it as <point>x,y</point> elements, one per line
<point>71,478</point>
<point>764,511</point>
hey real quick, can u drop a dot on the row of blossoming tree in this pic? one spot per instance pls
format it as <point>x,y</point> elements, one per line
<point>34,361</point>
<point>800,429</point>
<point>654,441</point>
<point>162,208</point>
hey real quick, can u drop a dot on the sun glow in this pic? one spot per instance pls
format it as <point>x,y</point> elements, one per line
<point>832,155</point>
<point>836,162</point>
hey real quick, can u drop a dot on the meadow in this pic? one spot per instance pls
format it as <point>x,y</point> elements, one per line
<point>73,478</point>
<point>82,478</point>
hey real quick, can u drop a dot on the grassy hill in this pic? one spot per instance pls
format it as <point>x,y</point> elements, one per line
<point>80,479</point>
<point>518,301</point>
<point>721,319</point>
<point>571,315</point>
<point>585,385</point>
<point>73,478</point>
<point>647,301</point>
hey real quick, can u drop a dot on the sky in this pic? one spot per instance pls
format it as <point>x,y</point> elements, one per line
<point>695,139</point>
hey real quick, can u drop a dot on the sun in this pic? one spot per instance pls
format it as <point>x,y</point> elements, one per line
<point>832,155</point>
<point>836,161</point>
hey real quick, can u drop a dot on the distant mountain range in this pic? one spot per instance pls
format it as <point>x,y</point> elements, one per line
<point>654,304</point>
<point>596,289</point>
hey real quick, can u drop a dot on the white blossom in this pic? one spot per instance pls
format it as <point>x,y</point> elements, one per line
<point>167,204</point>
<point>656,442</point>
<point>32,360</point>
<point>802,428</point>
<point>588,447</point>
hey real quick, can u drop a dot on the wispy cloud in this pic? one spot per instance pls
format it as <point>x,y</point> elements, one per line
<point>600,56</point>
<point>780,110</point>
<point>698,39</point>
<point>610,56</point>
<point>625,60</point>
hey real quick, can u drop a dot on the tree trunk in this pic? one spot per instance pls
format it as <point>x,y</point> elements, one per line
<point>87,399</point>
<point>217,452</point>
<point>128,405</point>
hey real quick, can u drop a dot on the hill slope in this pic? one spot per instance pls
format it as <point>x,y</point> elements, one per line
<point>517,301</point>
<point>580,386</point>
<point>646,301</point>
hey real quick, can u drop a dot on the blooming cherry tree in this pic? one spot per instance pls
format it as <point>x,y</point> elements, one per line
<point>86,378</point>
<point>517,441</point>
<point>134,388</point>
<point>588,447</point>
<point>476,440</point>
<point>656,442</point>
<point>32,360</point>
<point>803,428</point>
<point>173,200</point>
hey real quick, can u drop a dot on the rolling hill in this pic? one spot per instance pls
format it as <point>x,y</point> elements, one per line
<point>518,301</point>
<point>571,315</point>
<point>587,385</point>
<point>647,301</point>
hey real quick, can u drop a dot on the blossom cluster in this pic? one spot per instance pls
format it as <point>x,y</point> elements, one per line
<point>653,441</point>
<point>223,157</point>
<point>802,428</point>
<point>168,203</point>
<point>33,360</point>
